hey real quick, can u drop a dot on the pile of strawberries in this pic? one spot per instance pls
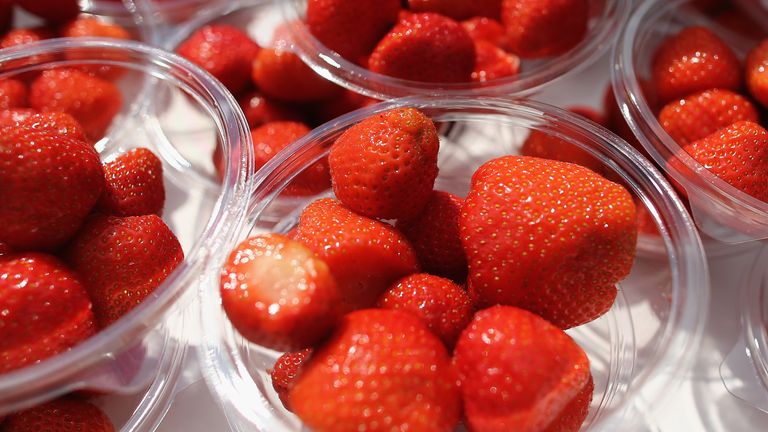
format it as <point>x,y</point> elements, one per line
<point>407,308</point>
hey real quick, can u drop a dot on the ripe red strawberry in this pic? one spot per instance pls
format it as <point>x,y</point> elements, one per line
<point>122,260</point>
<point>347,102</point>
<point>4,249</point>
<point>573,415</point>
<point>351,27</point>
<point>224,51</point>
<point>738,154</point>
<point>92,101</point>
<point>278,294</point>
<point>134,185</point>
<point>492,62</point>
<point>365,256</point>
<point>486,29</point>
<point>286,371</point>
<point>458,9</point>
<point>541,28</point>
<point>92,27</point>
<point>645,222</point>
<point>434,234</point>
<point>691,61</point>
<point>49,182</point>
<point>270,138</point>
<point>757,73</point>
<point>425,47</point>
<point>441,304</point>
<point>517,371</point>
<point>702,114</point>
<point>9,117</point>
<point>259,110</point>
<point>547,236</point>
<point>23,36</point>
<point>380,370</point>
<point>68,414</point>
<point>386,165</point>
<point>13,93</point>
<point>280,74</point>
<point>46,310</point>
<point>55,11</point>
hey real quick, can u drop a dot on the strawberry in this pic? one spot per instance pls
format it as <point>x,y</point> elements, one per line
<point>9,117</point>
<point>55,11</point>
<point>122,260</point>
<point>701,114</point>
<point>347,102</point>
<point>13,93</point>
<point>351,27</point>
<point>50,179</point>
<point>380,370</point>
<point>458,9</point>
<point>425,47</point>
<point>67,414</point>
<point>46,310</point>
<point>270,138</point>
<point>434,234</point>
<point>278,294</point>
<point>573,415</point>
<point>365,256</point>
<point>541,28</point>
<point>224,51</point>
<point>259,110</point>
<point>6,22</point>
<point>92,27</point>
<point>617,124</point>
<point>134,185</point>
<point>443,306</point>
<point>738,154</point>
<point>517,371</point>
<point>547,236</point>
<point>739,21</point>
<point>286,371</point>
<point>92,101</point>
<point>692,61</point>
<point>281,75</point>
<point>4,249</point>
<point>486,29</point>
<point>645,222</point>
<point>386,165</point>
<point>23,36</point>
<point>757,75</point>
<point>492,62</point>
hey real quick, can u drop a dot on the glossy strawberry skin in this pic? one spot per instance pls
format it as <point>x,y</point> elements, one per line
<point>46,310</point>
<point>757,73</point>
<point>572,417</point>
<point>134,185</point>
<point>281,75</point>
<point>67,414</point>
<point>4,249</point>
<point>9,117</point>
<point>121,261</point>
<point>516,370</point>
<point>526,248</point>
<point>691,61</point>
<point>13,94</point>
<point>493,63</point>
<point>425,47</point>
<point>486,29</point>
<point>386,165</point>
<point>92,27</point>
<point>365,256</point>
<point>541,28</point>
<point>49,182</point>
<point>286,371</point>
<point>381,369</point>
<point>55,11</point>
<point>458,9</point>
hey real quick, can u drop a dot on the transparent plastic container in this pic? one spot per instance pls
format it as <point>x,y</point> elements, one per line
<point>606,19</point>
<point>141,354</point>
<point>720,210</point>
<point>638,351</point>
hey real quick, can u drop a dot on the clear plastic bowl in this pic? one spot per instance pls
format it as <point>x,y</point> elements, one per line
<point>638,351</point>
<point>142,352</point>
<point>720,210</point>
<point>606,19</point>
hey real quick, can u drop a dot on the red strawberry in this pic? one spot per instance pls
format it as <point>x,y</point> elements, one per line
<point>278,294</point>
<point>281,75</point>
<point>49,181</point>
<point>381,370</point>
<point>4,249</point>
<point>224,51</point>
<point>486,29</point>
<point>517,371</point>
<point>259,110</point>
<point>434,234</point>
<point>92,27</point>
<point>701,114</point>
<point>541,28</point>
<point>645,222</point>
<point>270,138</point>
<point>46,310</point>
<point>425,47</point>
<point>573,415</point>
<point>67,414</point>
<point>23,36</point>
<point>351,27</point>
<point>9,117</point>
<point>92,101</point>
<point>347,102</point>
<point>443,306</point>
<point>286,371</point>
<point>122,260</point>
<point>13,93</point>
<point>738,154</point>
<point>458,9</point>
<point>134,185</point>
<point>547,236</point>
<point>757,73</point>
<point>365,256</point>
<point>691,61</point>
<point>386,165</point>
<point>492,62</point>
<point>55,11</point>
